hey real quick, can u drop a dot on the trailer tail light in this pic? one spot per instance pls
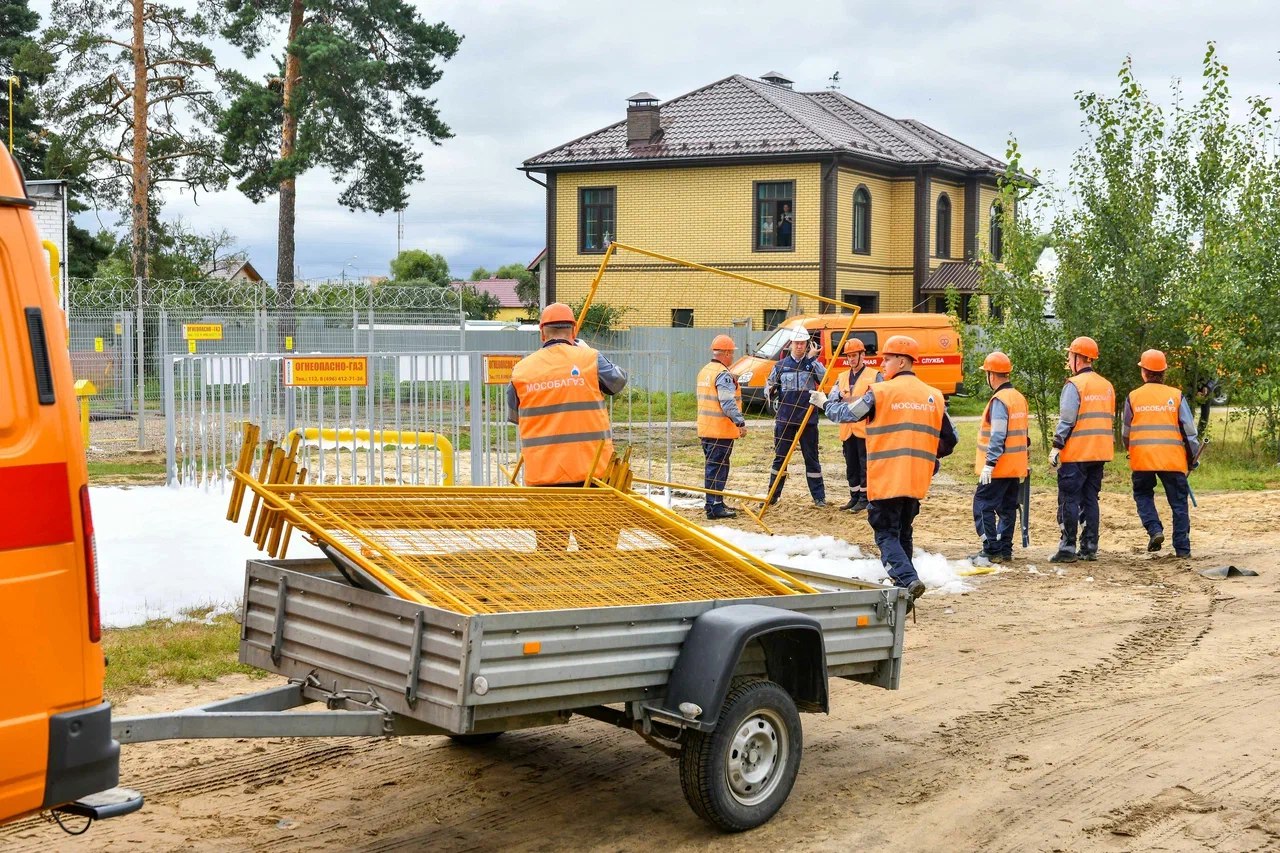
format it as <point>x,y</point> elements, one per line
<point>90,567</point>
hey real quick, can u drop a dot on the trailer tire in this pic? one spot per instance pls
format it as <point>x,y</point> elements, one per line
<point>476,739</point>
<point>739,774</point>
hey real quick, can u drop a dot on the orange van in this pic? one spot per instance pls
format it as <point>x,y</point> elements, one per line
<point>56,749</point>
<point>940,358</point>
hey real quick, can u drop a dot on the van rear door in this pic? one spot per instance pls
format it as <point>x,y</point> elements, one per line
<point>51,714</point>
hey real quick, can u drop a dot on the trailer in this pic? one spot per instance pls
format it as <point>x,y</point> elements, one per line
<point>718,683</point>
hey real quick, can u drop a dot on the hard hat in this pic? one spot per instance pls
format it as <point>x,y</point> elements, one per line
<point>901,345</point>
<point>799,334</point>
<point>854,345</point>
<point>723,342</point>
<point>1154,361</point>
<point>557,312</point>
<point>1084,346</point>
<point>997,362</point>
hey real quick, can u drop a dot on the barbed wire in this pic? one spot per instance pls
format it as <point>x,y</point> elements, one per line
<point>121,294</point>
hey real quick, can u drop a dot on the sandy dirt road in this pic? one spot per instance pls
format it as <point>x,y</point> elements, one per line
<point>1128,705</point>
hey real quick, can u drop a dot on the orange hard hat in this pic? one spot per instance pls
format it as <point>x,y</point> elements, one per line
<point>723,342</point>
<point>557,312</point>
<point>1154,361</point>
<point>1084,346</point>
<point>854,345</point>
<point>997,362</point>
<point>901,345</point>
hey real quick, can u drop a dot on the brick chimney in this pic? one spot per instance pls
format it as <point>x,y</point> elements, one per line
<point>642,119</point>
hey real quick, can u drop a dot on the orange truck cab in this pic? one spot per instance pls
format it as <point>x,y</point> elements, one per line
<point>940,358</point>
<point>56,748</point>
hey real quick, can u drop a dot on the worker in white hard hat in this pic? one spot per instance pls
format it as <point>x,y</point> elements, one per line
<point>720,422</point>
<point>792,378</point>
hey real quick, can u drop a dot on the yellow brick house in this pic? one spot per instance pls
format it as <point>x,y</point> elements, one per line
<point>812,190</point>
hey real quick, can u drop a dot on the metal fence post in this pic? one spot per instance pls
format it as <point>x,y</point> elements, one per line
<point>475,377</point>
<point>142,371</point>
<point>170,422</point>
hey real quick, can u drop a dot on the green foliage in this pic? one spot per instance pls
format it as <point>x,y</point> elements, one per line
<point>420,265</point>
<point>21,57</point>
<point>526,286</point>
<point>479,304</point>
<point>601,317</point>
<point>177,253</point>
<point>1017,325</point>
<point>480,274</point>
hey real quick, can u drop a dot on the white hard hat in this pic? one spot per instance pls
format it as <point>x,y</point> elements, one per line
<point>799,334</point>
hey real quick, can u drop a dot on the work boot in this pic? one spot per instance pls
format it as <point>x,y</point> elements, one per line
<point>1089,556</point>
<point>819,502</point>
<point>721,511</point>
<point>861,505</point>
<point>853,501</point>
<point>1182,555</point>
<point>777,496</point>
<point>916,589</point>
<point>1155,541</point>
<point>1063,556</point>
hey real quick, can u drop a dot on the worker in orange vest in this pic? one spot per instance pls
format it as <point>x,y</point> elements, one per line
<point>1084,442</point>
<point>556,397</point>
<point>851,385</point>
<point>908,431</point>
<point>1001,461</point>
<point>720,422</point>
<point>1158,431</point>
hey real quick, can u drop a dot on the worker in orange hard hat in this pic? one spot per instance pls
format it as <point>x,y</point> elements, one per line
<point>908,431</point>
<point>1084,442</point>
<point>557,400</point>
<point>1158,431</point>
<point>851,385</point>
<point>720,422</point>
<point>1001,461</point>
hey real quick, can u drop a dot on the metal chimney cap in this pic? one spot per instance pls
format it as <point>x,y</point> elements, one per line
<point>642,99</point>
<point>777,78</point>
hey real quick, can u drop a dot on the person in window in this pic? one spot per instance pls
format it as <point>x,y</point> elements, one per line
<point>784,226</point>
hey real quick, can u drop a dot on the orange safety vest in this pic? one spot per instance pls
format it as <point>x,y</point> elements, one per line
<point>1013,462</point>
<point>866,379</point>
<point>1155,437</point>
<point>902,438</point>
<point>712,421</point>
<point>563,415</point>
<point>1093,439</point>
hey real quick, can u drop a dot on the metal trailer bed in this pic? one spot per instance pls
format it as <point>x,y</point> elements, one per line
<point>718,682</point>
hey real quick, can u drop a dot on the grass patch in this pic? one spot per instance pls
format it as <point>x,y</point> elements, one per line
<point>965,406</point>
<point>125,469</point>
<point>189,651</point>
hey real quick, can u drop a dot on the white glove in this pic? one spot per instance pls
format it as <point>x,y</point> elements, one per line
<point>985,477</point>
<point>817,398</point>
<point>1053,457</point>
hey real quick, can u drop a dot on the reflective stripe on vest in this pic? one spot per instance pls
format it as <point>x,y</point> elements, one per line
<point>1013,461</point>
<point>1155,437</point>
<point>1093,439</point>
<point>563,415</point>
<point>866,377</point>
<point>902,438</point>
<point>712,421</point>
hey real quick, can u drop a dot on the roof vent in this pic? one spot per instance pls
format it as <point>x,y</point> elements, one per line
<point>643,126</point>
<point>777,79</point>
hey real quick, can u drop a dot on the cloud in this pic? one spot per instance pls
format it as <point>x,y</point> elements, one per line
<point>533,75</point>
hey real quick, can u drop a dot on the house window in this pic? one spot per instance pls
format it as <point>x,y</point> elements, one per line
<point>774,317</point>
<point>775,216</point>
<point>596,218</point>
<point>996,241</point>
<point>682,318</point>
<point>862,221</point>
<point>868,301</point>
<point>942,237</point>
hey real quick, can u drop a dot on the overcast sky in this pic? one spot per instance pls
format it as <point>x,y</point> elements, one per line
<point>532,75</point>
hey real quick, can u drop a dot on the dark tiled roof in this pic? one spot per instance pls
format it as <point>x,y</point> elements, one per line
<point>738,116</point>
<point>961,275</point>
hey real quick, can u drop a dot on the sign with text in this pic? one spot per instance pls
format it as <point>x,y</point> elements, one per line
<point>202,331</point>
<point>310,371</point>
<point>497,368</point>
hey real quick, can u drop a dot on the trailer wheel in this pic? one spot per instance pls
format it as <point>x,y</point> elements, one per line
<point>739,774</point>
<point>476,739</point>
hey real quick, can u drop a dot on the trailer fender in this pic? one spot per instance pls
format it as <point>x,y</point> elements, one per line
<point>795,658</point>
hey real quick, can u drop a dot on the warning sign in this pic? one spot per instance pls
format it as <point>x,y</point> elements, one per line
<point>497,368</point>
<point>347,371</point>
<point>202,331</point>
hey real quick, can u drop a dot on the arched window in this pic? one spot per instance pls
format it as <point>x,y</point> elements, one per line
<point>862,221</point>
<point>996,238</point>
<point>942,236</point>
